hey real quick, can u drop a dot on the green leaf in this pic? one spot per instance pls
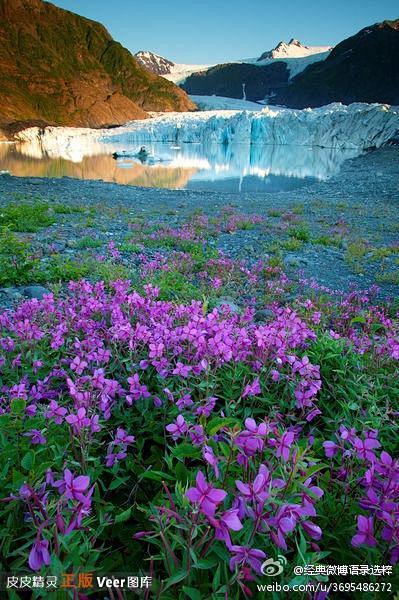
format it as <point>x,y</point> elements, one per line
<point>216,579</point>
<point>17,477</point>
<point>192,593</point>
<point>186,451</point>
<point>181,473</point>
<point>178,576</point>
<point>206,563</point>
<point>218,422</point>
<point>117,482</point>
<point>18,406</point>
<point>314,469</point>
<point>156,475</point>
<point>358,320</point>
<point>353,406</point>
<point>28,460</point>
<point>123,516</point>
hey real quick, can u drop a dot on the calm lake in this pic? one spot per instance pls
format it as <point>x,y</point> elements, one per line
<point>235,167</point>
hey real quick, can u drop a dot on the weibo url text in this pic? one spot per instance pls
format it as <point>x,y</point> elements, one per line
<point>327,587</point>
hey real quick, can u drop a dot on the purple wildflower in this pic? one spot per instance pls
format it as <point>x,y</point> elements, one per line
<point>284,445</point>
<point>252,389</point>
<point>73,487</point>
<point>205,495</point>
<point>177,429</point>
<point>247,556</point>
<point>56,412</point>
<point>36,436</point>
<point>365,534</point>
<point>39,555</point>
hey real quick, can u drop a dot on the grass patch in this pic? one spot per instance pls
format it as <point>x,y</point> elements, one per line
<point>299,232</point>
<point>16,263</point>
<point>174,286</point>
<point>27,218</point>
<point>329,240</point>
<point>389,277</point>
<point>88,242</point>
<point>291,244</point>
<point>274,213</point>
<point>356,252</point>
<point>67,209</point>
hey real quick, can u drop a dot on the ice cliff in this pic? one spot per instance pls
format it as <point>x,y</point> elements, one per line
<point>357,126</point>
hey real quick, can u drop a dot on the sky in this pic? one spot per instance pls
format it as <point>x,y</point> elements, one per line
<point>211,31</point>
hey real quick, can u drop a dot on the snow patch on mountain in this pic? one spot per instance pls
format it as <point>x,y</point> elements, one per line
<point>180,72</point>
<point>292,49</point>
<point>154,62</point>
<point>168,69</point>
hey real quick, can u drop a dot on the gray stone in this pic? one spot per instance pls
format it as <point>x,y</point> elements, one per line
<point>263,315</point>
<point>292,260</point>
<point>11,292</point>
<point>35,291</point>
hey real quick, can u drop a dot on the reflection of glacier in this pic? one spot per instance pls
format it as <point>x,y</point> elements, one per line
<point>212,161</point>
<point>240,160</point>
<point>218,161</point>
<point>61,142</point>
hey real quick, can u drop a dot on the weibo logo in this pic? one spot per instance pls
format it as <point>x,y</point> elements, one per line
<point>272,567</point>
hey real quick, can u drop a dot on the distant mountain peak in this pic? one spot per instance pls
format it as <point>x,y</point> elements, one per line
<point>292,49</point>
<point>154,62</point>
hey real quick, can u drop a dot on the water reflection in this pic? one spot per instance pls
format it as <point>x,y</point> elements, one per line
<point>231,167</point>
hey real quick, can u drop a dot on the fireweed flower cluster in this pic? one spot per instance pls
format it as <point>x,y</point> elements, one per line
<point>55,508</point>
<point>213,423</point>
<point>272,499</point>
<point>379,477</point>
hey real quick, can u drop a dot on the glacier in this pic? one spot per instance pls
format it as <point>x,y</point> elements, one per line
<point>359,126</point>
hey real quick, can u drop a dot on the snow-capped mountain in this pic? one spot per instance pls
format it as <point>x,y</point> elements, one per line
<point>293,49</point>
<point>361,68</point>
<point>283,51</point>
<point>175,72</point>
<point>153,62</point>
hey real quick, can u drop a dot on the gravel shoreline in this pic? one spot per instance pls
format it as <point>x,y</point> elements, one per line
<point>361,203</point>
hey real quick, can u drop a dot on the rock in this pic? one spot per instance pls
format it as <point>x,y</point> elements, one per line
<point>227,301</point>
<point>35,291</point>
<point>292,260</point>
<point>263,315</point>
<point>12,293</point>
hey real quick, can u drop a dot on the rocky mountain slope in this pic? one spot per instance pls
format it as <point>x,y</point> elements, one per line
<point>60,68</point>
<point>263,77</point>
<point>362,68</point>
<point>239,80</point>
